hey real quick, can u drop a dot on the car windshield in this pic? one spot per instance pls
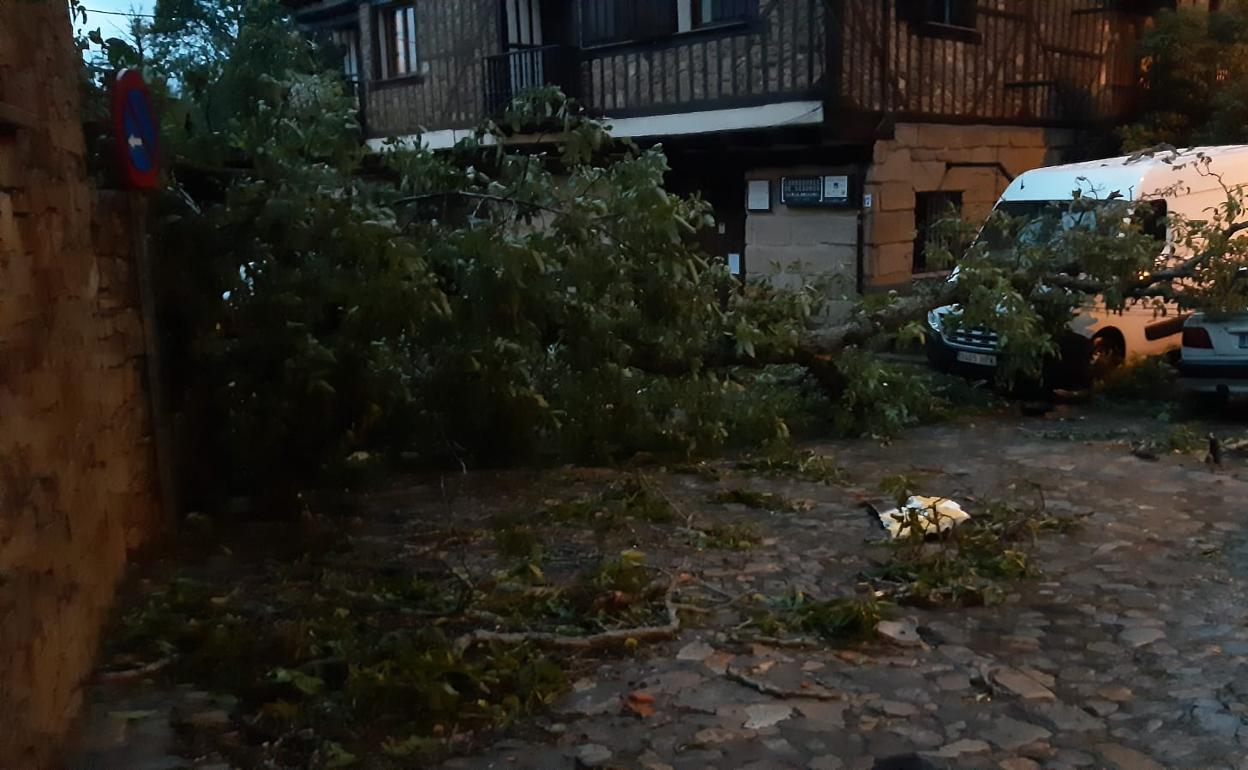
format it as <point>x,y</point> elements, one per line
<point>1031,223</point>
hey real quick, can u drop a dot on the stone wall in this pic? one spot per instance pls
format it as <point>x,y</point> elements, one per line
<point>76,480</point>
<point>800,241</point>
<point>925,158</point>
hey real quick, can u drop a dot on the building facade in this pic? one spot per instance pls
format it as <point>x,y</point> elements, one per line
<point>824,132</point>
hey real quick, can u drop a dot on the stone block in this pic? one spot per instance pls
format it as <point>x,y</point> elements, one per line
<point>944,137</point>
<point>764,229</point>
<point>893,196</point>
<point>890,260</point>
<point>1018,160</point>
<point>821,227</point>
<point>929,175</point>
<point>906,134</point>
<point>986,154</point>
<point>885,148</point>
<point>1026,137</point>
<point>890,227</point>
<point>893,166</point>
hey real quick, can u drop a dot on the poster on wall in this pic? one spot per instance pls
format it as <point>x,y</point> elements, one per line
<point>836,189</point>
<point>758,195</point>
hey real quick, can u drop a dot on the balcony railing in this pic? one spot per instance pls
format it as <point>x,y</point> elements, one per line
<point>507,75</point>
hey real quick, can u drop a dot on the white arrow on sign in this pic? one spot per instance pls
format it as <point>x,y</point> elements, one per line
<point>134,141</point>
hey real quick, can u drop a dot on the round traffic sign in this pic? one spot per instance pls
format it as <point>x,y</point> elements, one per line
<point>135,130</point>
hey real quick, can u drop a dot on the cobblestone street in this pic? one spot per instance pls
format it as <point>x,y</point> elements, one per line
<point>1128,653</point>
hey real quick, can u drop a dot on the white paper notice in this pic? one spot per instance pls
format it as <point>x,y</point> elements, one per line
<point>758,197</point>
<point>835,188</point>
<point>734,264</point>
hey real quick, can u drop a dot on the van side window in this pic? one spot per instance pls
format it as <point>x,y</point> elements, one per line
<point>930,208</point>
<point>1152,216</point>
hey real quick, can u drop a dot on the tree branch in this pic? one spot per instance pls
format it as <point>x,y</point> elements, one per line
<point>476,196</point>
<point>561,641</point>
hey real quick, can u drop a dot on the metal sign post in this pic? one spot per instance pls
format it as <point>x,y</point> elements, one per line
<point>136,138</point>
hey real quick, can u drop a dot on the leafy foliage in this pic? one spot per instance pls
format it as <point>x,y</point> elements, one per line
<point>846,619</point>
<point>765,501</point>
<point>482,304</point>
<point>782,460</point>
<point>726,536</point>
<point>1152,379</point>
<point>635,497</point>
<point>353,651</point>
<point>1197,79</point>
<point>1029,273</point>
<point>500,302</point>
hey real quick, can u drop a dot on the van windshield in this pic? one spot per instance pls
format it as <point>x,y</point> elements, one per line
<point>1032,223</point>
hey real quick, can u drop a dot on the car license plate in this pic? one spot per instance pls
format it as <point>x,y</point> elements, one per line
<point>981,359</point>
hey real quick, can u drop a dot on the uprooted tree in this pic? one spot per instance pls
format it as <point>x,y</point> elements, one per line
<point>493,301</point>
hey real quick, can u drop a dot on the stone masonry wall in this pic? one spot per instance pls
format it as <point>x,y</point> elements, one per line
<point>76,481</point>
<point>924,158</point>
<point>802,241</point>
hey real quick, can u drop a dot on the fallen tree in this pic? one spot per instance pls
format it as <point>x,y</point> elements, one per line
<point>504,299</point>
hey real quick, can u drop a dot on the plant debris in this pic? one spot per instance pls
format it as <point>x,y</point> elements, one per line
<point>764,501</point>
<point>968,564</point>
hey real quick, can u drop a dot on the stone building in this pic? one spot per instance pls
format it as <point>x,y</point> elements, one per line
<point>824,132</point>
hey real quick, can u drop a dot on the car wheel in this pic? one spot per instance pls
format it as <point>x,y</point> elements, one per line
<point>1107,353</point>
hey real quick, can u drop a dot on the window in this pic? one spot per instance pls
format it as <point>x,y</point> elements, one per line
<point>396,42</point>
<point>347,41</point>
<point>1034,223</point>
<point>616,21</point>
<point>708,12</point>
<point>953,19</point>
<point>930,208</point>
<point>951,13</point>
<point>611,21</point>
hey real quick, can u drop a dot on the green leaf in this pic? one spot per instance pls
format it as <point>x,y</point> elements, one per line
<point>337,756</point>
<point>304,683</point>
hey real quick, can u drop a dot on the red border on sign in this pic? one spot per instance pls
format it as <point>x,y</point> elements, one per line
<point>127,82</point>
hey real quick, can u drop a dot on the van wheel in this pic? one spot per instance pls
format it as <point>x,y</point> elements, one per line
<point>1108,352</point>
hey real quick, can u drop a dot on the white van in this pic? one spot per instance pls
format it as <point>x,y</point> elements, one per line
<point>1175,182</point>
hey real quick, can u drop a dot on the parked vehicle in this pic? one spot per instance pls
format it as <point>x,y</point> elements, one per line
<point>1214,356</point>
<point>1100,339</point>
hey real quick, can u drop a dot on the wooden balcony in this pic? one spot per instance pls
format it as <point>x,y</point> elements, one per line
<point>507,75</point>
<point>1059,62</point>
<point>774,50</point>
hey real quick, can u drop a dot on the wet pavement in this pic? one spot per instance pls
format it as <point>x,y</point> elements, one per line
<point>1128,653</point>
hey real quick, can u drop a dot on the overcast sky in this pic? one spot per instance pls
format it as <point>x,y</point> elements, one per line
<point>109,25</point>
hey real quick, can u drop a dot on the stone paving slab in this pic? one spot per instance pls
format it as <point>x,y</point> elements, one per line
<point>1129,653</point>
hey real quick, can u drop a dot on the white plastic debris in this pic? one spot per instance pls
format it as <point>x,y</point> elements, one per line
<point>929,515</point>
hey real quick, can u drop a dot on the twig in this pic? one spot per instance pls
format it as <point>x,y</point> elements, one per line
<point>779,692</point>
<point>714,589</point>
<point>444,194</point>
<point>604,639</point>
<point>136,673</point>
<point>658,487</point>
<point>796,643</point>
<point>694,609</point>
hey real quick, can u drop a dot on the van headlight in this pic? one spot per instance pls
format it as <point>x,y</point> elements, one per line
<point>933,320</point>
